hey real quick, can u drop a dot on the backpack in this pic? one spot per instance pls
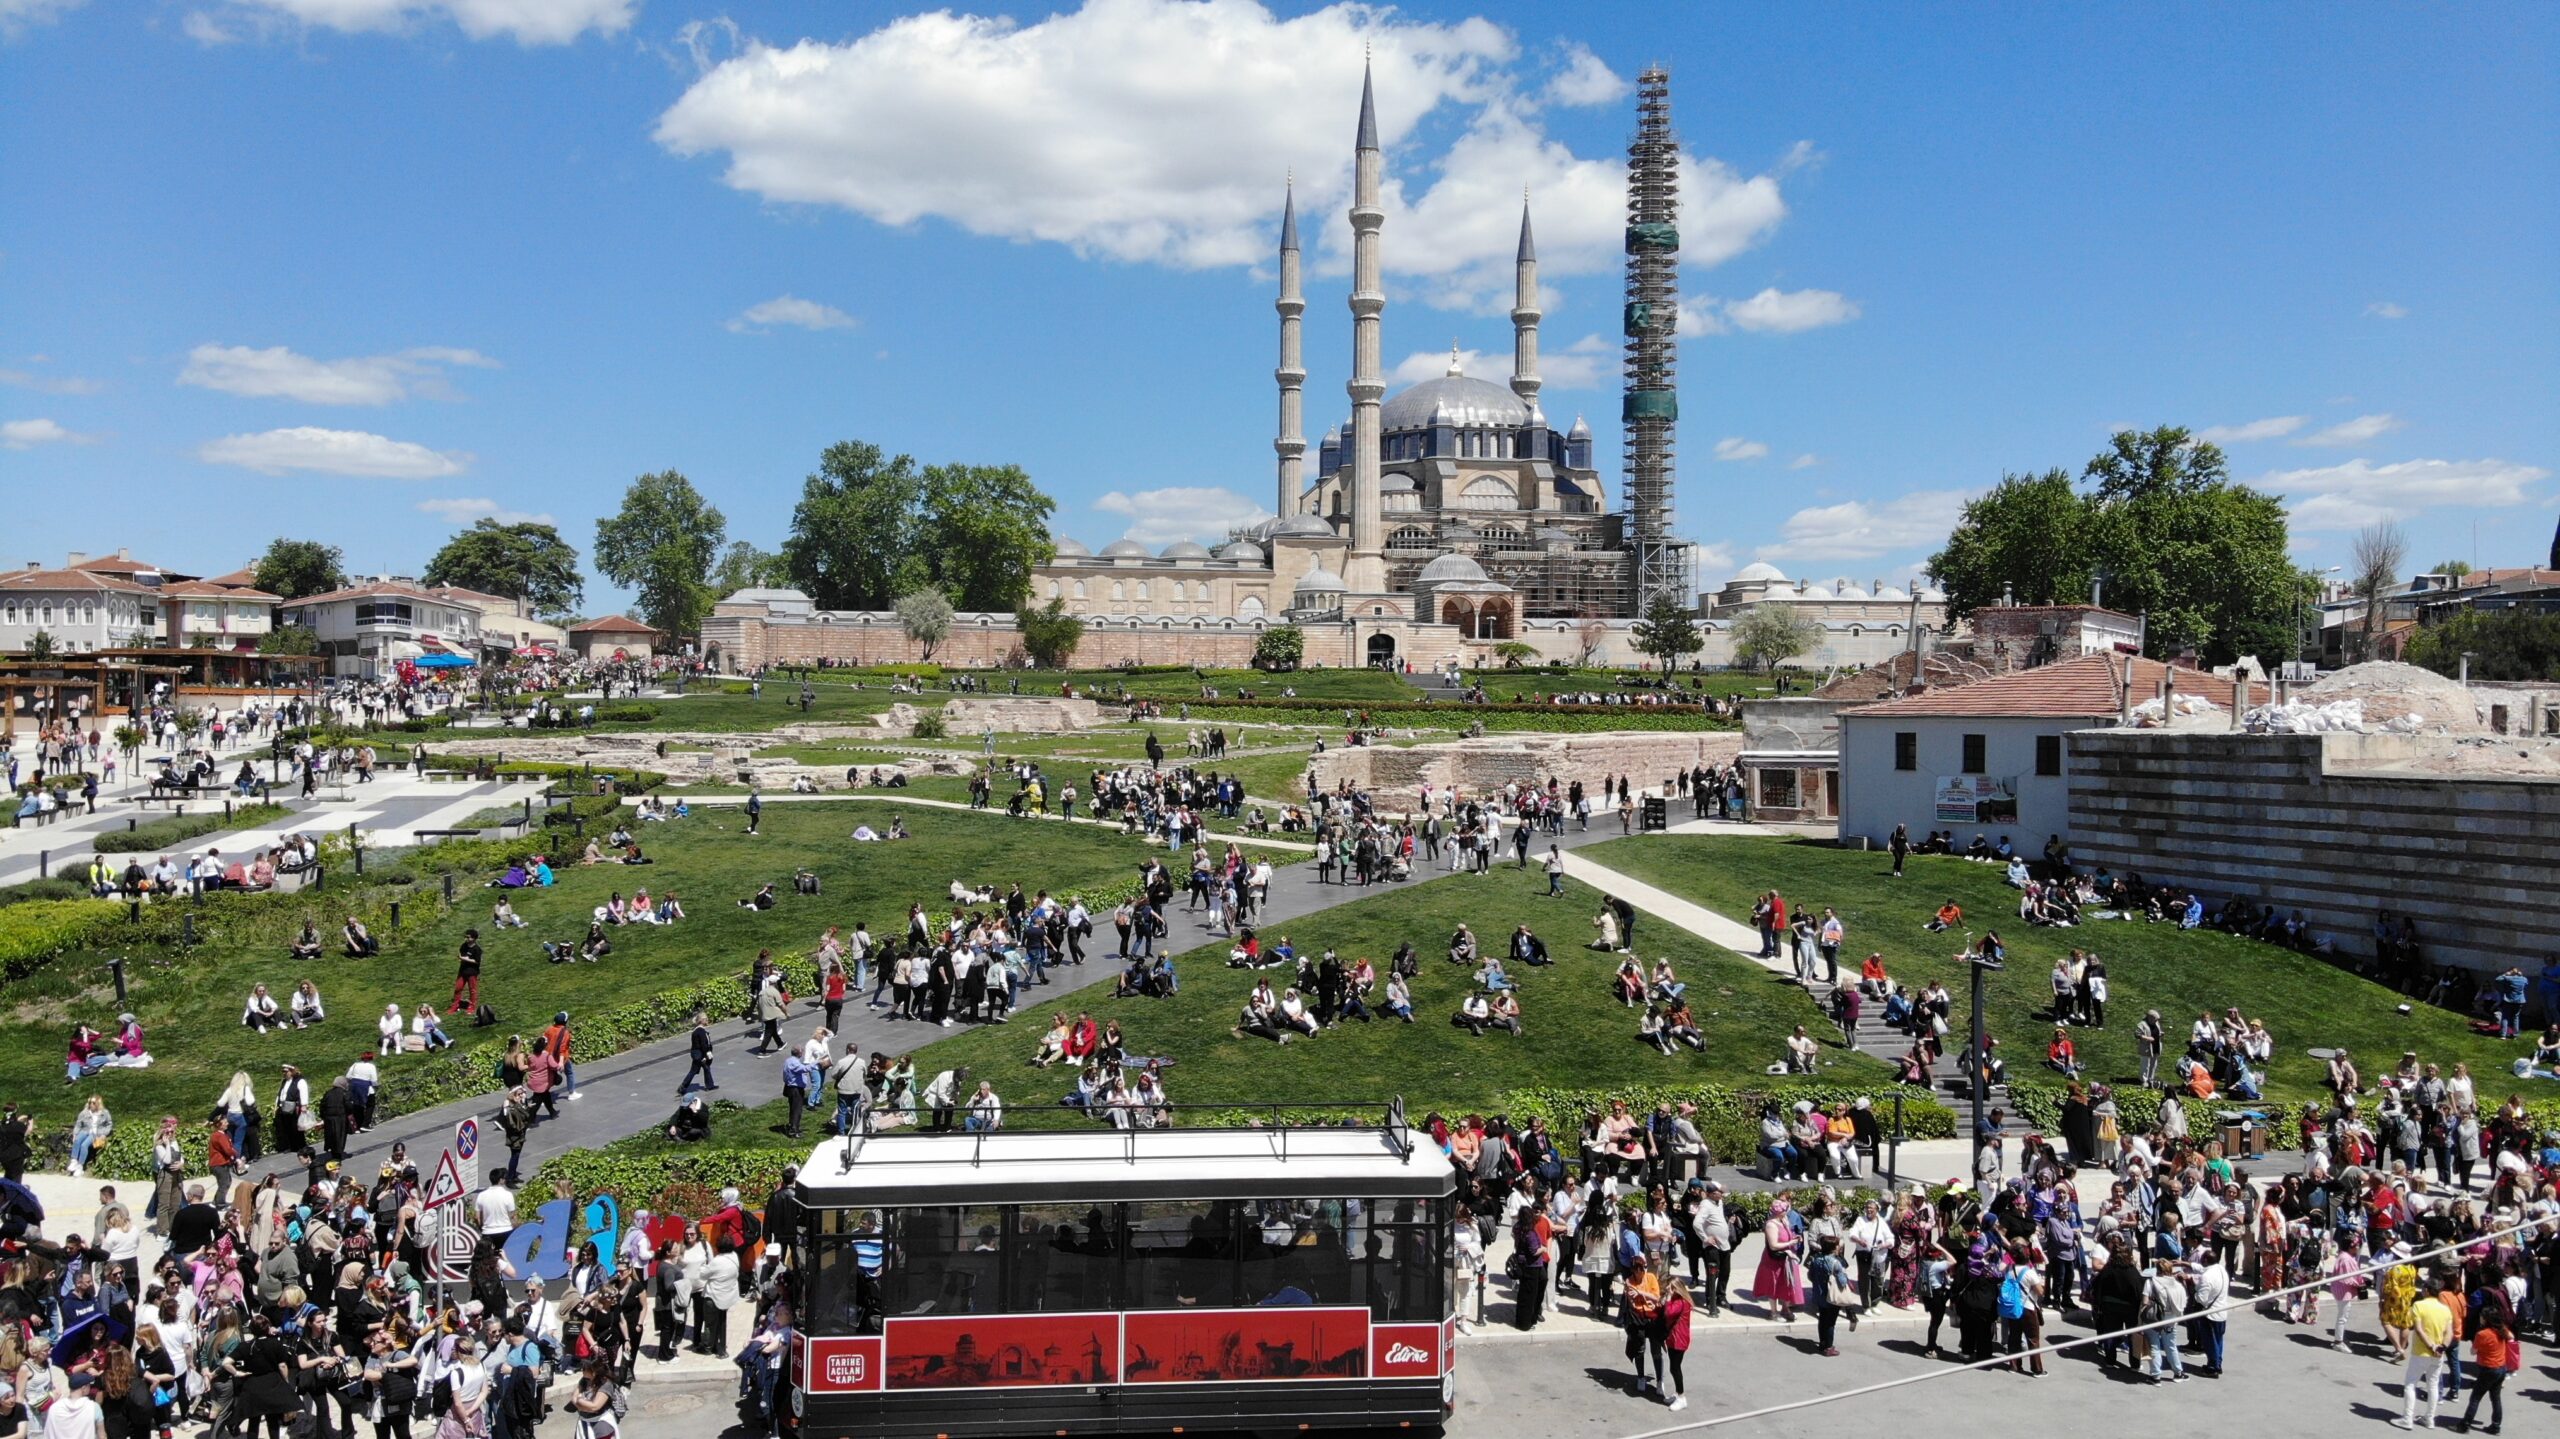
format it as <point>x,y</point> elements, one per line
<point>751,1228</point>
<point>2013,1297</point>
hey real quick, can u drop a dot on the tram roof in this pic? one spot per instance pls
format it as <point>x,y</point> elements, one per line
<point>1105,1164</point>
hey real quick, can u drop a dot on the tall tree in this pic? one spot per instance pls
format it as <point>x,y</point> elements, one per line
<point>660,543</point>
<point>2378,553</point>
<point>295,568</point>
<point>1050,634</point>
<point>926,617</point>
<point>743,566</point>
<point>2160,523</point>
<point>1771,635</point>
<point>521,561</point>
<point>986,527</point>
<point>2450,569</point>
<point>1665,631</point>
<point>2509,644</point>
<point>853,530</point>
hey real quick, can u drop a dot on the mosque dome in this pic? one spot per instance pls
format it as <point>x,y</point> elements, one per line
<point>1889,592</point>
<point>1453,399</point>
<point>1451,568</point>
<point>1758,570</point>
<point>1550,535</point>
<point>1125,549</point>
<point>1320,581</point>
<point>1301,525</point>
<point>1847,590</point>
<point>1245,550</point>
<point>1069,549</point>
<point>1810,592</point>
<point>1184,550</point>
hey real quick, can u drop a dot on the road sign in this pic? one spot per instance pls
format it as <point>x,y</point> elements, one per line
<point>447,1187</point>
<point>466,1140</point>
<point>451,1262</point>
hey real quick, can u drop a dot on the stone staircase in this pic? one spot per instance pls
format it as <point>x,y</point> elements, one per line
<point>1876,1038</point>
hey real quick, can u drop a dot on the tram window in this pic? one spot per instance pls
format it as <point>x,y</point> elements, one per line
<point>1400,1261</point>
<point>829,1302</point>
<point>1061,1258</point>
<point>1180,1254</point>
<point>1294,1251</point>
<point>944,1261</point>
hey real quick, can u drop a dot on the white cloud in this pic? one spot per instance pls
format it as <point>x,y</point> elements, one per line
<point>1709,564</point>
<point>17,15</point>
<point>49,384</point>
<point>1585,79</point>
<point>527,22</point>
<point>1785,312</point>
<point>332,452</point>
<point>1733,447</point>
<point>464,512</point>
<point>2386,310</point>
<point>201,27</point>
<point>2355,431</point>
<point>2359,492</point>
<point>1180,512</point>
<point>793,311</point>
<point>1590,363</point>
<point>1804,461</point>
<point>2274,427</point>
<point>1044,131</point>
<point>27,434</point>
<point>1856,530</point>
<point>1702,315</point>
<point>279,373</point>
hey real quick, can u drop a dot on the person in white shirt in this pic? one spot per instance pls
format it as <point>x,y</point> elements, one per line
<point>495,1207</point>
<point>390,1027</point>
<point>541,1313</point>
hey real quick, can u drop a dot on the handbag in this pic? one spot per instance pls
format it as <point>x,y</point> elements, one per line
<point>1839,1293</point>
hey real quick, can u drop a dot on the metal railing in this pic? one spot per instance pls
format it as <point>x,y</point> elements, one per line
<point>1273,1118</point>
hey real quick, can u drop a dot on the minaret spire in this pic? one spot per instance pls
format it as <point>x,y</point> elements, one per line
<point>1292,374</point>
<point>1364,569</point>
<point>1524,318</point>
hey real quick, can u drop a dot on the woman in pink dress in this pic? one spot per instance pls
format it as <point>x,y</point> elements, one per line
<point>1780,1280</point>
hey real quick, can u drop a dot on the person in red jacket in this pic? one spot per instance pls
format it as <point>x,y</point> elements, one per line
<point>555,1041</point>
<point>1676,1309</point>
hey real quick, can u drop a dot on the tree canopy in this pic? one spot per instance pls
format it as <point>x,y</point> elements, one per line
<point>292,569</point>
<point>1665,631</point>
<point>744,566</point>
<point>2157,526</point>
<point>872,526</point>
<point>660,544</point>
<point>926,617</point>
<point>1281,647</point>
<point>1050,634</point>
<point>1771,635</point>
<point>2508,644</point>
<point>523,561</point>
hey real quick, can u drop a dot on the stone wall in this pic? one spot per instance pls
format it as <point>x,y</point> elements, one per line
<point>747,641</point>
<point>1396,774</point>
<point>2304,821</point>
<point>968,716</point>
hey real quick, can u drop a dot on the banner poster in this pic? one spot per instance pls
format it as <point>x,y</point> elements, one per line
<point>1200,1346</point>
<point>1003,1351</point>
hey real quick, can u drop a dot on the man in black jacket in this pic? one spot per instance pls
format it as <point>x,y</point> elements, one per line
<point>701,1056</point>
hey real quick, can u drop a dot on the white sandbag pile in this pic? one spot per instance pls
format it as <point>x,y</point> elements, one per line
<point>2381,697</point>
<point>2146,715</point>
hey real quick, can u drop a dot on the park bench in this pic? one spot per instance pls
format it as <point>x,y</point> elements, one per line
<point>439,835</point>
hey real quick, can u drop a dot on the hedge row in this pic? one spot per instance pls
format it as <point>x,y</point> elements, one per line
<point>165,834</point>
<point>1505,718</point>
<point>37,932</point>
<point>2040,1105</point>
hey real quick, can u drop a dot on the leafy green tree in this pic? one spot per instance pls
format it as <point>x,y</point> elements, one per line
<point>1666,631</point>
<point>926,617</point>
<point>854,528</point>
<point>986,527</point>
<point>1050,634</point>
<point>743,566</point>
<point>292,569</point>
<point>1281,647</point>
<point>521,561</point>
<point>40,645</point>
<point>2508,644</point>
<point>290,640</point>
<point>2450,569</point>
<point>660,544</point>
<point>1514,654</point>
<point>1771,635</point>
<point>2159,523</point>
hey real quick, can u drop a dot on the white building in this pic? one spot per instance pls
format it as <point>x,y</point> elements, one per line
<point>366,629</point>
<point>118,602</point>
<point>1988,757</point>
<point>507,624</point>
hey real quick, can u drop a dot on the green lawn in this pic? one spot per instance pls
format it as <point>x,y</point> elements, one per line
<point>1576,1033</point>
<point>2306,1002</point>
<point>191,1009</point>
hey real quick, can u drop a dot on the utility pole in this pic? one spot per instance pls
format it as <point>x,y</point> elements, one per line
<point>1982,966</point>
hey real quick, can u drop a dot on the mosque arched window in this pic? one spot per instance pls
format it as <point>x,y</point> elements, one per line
<point>1502,539</point>
<point>1056,590</point>
<point>1488,492</point>
<point>1200,591</point>
<point>1120,592</point>
<point>1077,590</point>
<point>1249,608</point>
<point>1409,537</point>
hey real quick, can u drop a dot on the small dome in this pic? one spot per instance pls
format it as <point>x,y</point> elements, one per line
<point>1758,570</point>
<point>1397,485</point>
<point>1245,550</point>
<point>1320,581</point>
<point>1184,550</point>
<point>1847,590</point>
<point>1069,549</point>
<point>1888,592</point>
<point>1451,569</point>
<point>1810,592</point>
<point>766,597</point>
<point>1581,429</point>
<point>1125,549</point>
<point>1301,525</point>
<point>1930,596</point>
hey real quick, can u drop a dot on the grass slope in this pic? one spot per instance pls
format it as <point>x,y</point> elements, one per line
<point>2305,1001</point>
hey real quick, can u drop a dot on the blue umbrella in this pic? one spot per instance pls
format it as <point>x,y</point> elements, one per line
<point>444,662</point>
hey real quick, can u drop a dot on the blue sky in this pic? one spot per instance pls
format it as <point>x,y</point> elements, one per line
<point>363,269</point>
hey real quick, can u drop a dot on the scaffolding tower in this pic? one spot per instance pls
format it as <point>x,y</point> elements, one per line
<point>1651,409</point>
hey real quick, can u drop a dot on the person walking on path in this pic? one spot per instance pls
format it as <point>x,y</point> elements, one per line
<point>1826,1281</point>
<point>796,1076</point>
<point>2432,1338</point>
<point>755,810</point>
<point>701,1056</point>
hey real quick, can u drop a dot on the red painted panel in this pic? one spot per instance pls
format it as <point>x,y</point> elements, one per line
<point>1198,1346</point>
<point>842,1364</point>
<point>1405,1351</point>
<point>1003,1351</point>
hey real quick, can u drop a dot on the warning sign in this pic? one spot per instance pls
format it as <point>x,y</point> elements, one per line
<point>447,1187</point>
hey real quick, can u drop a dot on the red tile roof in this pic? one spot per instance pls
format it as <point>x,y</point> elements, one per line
<point>370,590</point>
<point>243,578</point>
<point>210,590</point>
<point>2091,686</point>
<point>614,625</point>
<point>70,580</point>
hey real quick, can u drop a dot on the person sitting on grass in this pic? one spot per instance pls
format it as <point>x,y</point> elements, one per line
<point>390,1027</point>
<point>307,1010</point>
<point>1053,1045</point>
<point>1462,946</point>
<point>1666,984</point>
<point>1399,1000</point>
<point>1679,1026</point>
<point>1803,1052</point>
<point>262,1013</point>
<point>360,943</point>
<point>1506,1012</point>
<point>502,915</point>
<point>691,1123</point>
<point>1259,1021</point>
<point>1295,1013</point>
<point>1651,1029</point>
<point>763,898</point>
<point>593,854</point>
<point>2016,875</point>
<point>427,1030</point>
<point>1493,978</point>
<point>2061,1054</point>
<point>1475,1013</point>
<point>631,855</point>
<point>1630,983</point>
<point>307,944</point>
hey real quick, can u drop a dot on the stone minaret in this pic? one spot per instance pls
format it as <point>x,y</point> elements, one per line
<point>1364,571</point>
<point>1292,374</point>
<point>1524,319</point>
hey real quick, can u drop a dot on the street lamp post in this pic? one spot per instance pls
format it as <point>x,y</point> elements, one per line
<point>1982,966</point>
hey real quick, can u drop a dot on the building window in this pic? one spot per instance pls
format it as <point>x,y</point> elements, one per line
<point>1488,492</point>
<point>2048,754</point>
<point>1142,591</point>
<point>1078,591</point>
<point>1409,537</point>
<point>1973,754</point>
<point>1906,750</point>
<point>1777,789</point>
